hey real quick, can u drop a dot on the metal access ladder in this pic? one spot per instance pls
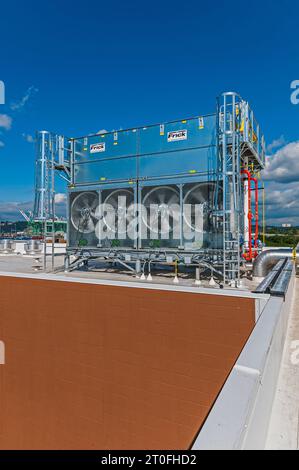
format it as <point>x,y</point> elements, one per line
<point>229,166</point>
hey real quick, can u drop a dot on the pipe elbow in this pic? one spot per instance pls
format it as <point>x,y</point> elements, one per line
<point>267,259</point>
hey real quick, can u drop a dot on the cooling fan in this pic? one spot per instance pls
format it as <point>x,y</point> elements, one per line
<point>84,212</point>
<point>199,200</point>
<point>161,211</point>
<point>118,212</point>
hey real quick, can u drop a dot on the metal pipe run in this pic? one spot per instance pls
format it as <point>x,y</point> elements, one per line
<point>268,258</point>
<point>248,254</point>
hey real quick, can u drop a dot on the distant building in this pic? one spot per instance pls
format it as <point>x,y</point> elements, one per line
<point>286,225</point>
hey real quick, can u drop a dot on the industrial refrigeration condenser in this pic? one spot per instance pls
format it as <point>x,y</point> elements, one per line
<point>160,166</point>
<point>173,192</point>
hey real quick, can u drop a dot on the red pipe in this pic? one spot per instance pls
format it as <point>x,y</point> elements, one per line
<point>250,253</point>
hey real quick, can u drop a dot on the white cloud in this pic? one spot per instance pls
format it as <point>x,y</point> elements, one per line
<point>282,189</point>
<point>283,165</point>
<point>1,144</point>
<point>282,203</point>
<point>60,198</point>
<point>29,138</point>
<point>5,121</point>
<point>276,143</point>
<point>10,210</point>
<point>18,105</point>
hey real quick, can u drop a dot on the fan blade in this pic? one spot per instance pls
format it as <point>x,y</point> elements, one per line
<point>173,199</point>
<point>88,225</point>
<point>119,212</point>
<point>161,214</point>
<point>200,198</point>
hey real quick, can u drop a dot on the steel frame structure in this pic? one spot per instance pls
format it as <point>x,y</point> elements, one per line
<point>52,155</point>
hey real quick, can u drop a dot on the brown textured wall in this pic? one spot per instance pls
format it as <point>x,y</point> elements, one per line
<point>92,366</point>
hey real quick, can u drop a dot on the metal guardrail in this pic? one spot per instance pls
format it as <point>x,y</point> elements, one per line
<point>277,280</point>
<point>282,282</point>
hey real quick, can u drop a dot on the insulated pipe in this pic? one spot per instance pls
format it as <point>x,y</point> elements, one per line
<point>246,209</point>
<point>268,258</point>
<point>256,214</point>
<point>248,255</point>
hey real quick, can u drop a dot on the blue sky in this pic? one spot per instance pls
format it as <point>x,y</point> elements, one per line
<point>77,67</point>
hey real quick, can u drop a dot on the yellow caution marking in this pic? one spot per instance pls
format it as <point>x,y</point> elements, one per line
<point>201,124</point>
